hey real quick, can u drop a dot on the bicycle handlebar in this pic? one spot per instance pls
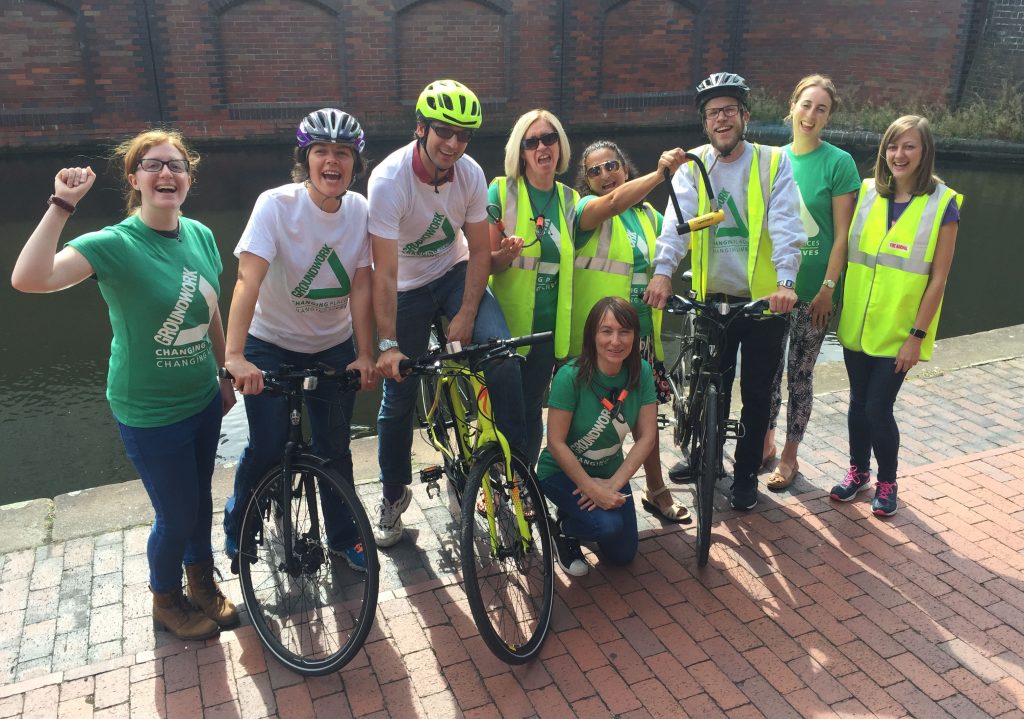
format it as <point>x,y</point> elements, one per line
<point>286,376</point>
<point>477,353</point>
<point>679,305</point>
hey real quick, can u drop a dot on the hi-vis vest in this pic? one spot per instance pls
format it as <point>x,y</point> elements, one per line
<point>888,270</point>
<point>761,277</point>
<point>516,287</point>
<point>604,267</point>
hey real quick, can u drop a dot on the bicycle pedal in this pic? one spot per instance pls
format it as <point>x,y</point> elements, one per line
<point>732,429</point>
<point>431,476</point>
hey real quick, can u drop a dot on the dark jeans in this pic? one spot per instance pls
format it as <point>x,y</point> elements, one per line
<point>614,530</point>
<point>759,343</point>
<point>175,463</point>
<point>329,408</point>
<point>536,373</point>
<point>416,310</point>
<point>874,384</point>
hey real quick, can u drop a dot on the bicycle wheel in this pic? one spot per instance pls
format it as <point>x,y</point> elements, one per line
<point>311,609</point>
<point>511,588</point>
<point>680,375</point>
<point>706,463</point>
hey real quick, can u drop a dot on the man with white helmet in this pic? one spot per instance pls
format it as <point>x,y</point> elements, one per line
<point>754,253</point>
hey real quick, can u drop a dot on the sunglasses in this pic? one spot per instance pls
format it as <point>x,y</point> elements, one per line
<point>532,143</point>
<point>447,133</point>
<point>609,166</point>
<point>151,164</point>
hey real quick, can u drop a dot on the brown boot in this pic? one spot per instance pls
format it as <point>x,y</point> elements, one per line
<point>205,594</point>
<point>171,611</point>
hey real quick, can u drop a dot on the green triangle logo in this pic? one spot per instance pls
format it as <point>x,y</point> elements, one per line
<point>740,230</point>
<point>326,254</point>
<point>427,244</point>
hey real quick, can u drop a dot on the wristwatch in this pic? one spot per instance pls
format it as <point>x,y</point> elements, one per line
<point>787,284</point>
<point>387,344</point>
<point>920,334</point>
<point>831,284</point>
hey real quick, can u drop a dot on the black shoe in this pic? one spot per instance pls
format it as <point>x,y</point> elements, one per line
<point>744,497</point>
<point>680,472</point>
<point>568,552</point>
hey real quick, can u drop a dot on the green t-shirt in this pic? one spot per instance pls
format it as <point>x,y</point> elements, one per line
<point>161,294</point>
<point>548,204</point>
<point>821,174</point>
<point>641,261</point>
<point>595,438</point>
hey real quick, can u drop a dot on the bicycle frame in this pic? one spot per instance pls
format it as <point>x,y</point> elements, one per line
<point>471,439</point>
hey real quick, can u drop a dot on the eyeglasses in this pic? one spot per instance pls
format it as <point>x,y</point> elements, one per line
<point>151,164</point>
<point>447,133</point>
<point>609,166</point>
<point>531,143</point>
<point>728,111</point>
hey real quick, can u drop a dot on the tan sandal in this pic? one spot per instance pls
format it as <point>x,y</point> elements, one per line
<point>676,512</point>
<point>777,481</point>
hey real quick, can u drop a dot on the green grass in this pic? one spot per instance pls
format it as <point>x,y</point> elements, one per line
<point>1001,118</point>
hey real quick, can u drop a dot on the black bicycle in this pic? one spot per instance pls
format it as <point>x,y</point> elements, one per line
<point>702,422</point>
<point>311,608</point>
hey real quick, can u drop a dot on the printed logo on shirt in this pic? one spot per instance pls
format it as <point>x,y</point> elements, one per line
<point>730,239</point>
<point>898,246</point>
<point>811,229</point>
<point>438,236</point>
<point>183,335</point>
<point>328,255</point>
<point>584,449</point>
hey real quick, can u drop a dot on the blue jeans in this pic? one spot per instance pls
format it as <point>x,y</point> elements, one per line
<point>416,310</point>
<point>329,408</point>
<point>175,463</point>
<point>614,530</point>
<point>536,372</point>
<point>874,384</point>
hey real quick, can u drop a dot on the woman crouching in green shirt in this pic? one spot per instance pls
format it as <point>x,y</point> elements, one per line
<point>595,399</point>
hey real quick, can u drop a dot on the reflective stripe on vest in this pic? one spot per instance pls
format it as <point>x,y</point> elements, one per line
<point>515,288</point>
<point>888,271</point>
<point>604,267</point>
<point>761,276</point>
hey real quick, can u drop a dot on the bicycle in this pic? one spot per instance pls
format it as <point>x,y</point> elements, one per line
<point>309,608</point>
<point>701,416</point>
<point>506,552</point>
<point>701,419</point>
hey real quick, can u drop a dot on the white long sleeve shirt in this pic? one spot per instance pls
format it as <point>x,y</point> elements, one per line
<point>729,240</point>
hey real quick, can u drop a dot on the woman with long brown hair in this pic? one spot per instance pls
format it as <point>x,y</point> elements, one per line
<point>595,400</point>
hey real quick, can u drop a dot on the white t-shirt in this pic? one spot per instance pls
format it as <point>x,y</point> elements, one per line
<point>303,305</point>
<point>426,224</point>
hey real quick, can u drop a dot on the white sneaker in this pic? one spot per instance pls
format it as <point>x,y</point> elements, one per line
<point>389,527</point>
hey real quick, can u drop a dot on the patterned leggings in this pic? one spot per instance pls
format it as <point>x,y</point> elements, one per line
<point>804,344</point>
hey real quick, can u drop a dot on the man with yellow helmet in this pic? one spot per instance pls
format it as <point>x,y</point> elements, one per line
<point>432,253</point>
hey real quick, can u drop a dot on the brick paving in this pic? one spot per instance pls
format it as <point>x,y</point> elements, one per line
<point>808,608</point>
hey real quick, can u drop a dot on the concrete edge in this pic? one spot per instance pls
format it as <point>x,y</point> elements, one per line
<point>115,507</point>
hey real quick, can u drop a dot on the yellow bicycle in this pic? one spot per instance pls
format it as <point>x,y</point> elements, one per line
<point>506,552</point>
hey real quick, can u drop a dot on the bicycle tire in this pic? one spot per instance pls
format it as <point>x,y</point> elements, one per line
<point>707,466</point>
<point>297,612</point>
<point>680,377</point>
<point>510,595</point>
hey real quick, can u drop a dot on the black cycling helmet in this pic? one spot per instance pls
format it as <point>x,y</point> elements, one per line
<point>332,126</point>
<point>722,84</point>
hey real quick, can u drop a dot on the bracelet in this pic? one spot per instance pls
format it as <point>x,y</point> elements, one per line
<point>62,204</point>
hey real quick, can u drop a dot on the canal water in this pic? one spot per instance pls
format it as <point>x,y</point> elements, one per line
<point>56,431</point>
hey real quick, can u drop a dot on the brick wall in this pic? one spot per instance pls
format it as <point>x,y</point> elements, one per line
<point>1000,53</point>
<point>245,70</point>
